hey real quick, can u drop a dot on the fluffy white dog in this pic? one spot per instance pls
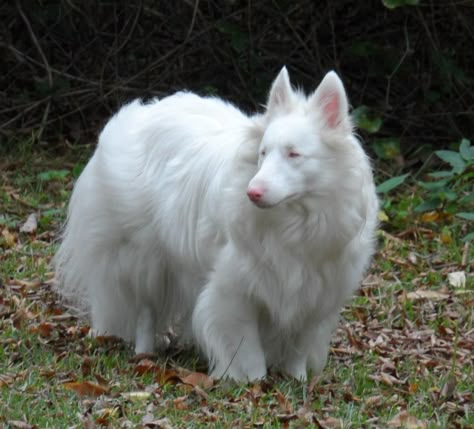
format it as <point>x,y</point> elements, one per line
<point>249,231</point>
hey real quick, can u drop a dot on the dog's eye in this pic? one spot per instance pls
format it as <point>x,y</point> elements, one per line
<point>263,152</point>
<point>292,154</point>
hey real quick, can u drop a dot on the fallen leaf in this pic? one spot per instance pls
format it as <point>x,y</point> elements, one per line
<point>388,379</point>
<point>284,418</point>
<point>329,423</point>
<point>141,356</point>
<point>8,237</point>
<point>448,388</point>
<point>152,423</point>
<point>198,379</point>
<point>105,414</point>
<point>373,401</point>
<point>457,279</point>
<point>312,384</point>
<point>86,388</point>
<point>44,329</point>
<point>101,380</point>
<point>446,237</point>
<point>382,216</point>
<point>404,420</point>
<point>25,283</point>
<point>21,425</point>
<point>168,376</point>
<point>283,402</point>
<point>86,366</point>
<point>353,339</point>
<point>430,217</point>
<point>140,395</point>
<point>146,366</point>
<point>31,224</point>
<point>412,258</point>
<point>6,380</point>
<point>180,403</point>
<point>426,294</point>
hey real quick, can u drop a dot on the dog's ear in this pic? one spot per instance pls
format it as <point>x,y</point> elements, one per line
<point>330,101</point>
<point>281,93</point>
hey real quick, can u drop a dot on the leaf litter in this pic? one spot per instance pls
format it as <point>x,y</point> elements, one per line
<point>402,355</point>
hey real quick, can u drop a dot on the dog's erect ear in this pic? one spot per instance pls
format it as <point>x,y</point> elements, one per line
<point>281,92</point>
<point>330,100</point>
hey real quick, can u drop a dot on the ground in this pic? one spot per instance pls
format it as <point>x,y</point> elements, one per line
<point>401,357</point>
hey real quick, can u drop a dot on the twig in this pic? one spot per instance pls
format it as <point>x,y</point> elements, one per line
<point>45,62</point>
<point>193,20</point>
<point>395,70</point>
<point>233,357</point>
<point>465,254</point>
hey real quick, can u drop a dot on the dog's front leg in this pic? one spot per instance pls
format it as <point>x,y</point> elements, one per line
<point>225,325</point>
<point>145,330</point>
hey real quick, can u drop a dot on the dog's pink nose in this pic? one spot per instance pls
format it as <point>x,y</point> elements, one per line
<point>255,194</point>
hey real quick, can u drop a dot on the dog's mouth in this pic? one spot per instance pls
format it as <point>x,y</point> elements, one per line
<point>287,200</point>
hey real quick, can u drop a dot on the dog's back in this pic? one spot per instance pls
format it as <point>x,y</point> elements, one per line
<point>144,215</point>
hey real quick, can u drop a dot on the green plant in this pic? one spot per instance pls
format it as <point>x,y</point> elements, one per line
<point>450,191</point>
<point>47,176</point>
<point>392,4</point>
<point>367,119</point>
<point>392,183</point>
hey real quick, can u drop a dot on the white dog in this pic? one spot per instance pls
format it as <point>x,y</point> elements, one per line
<point>251,232</point>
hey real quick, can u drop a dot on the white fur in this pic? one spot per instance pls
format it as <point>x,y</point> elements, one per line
<point>160,230</point>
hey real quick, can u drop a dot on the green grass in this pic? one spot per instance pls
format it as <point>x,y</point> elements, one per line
<point>396,359</point>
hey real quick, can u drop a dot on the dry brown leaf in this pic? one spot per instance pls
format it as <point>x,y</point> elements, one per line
<point>101,380</point>
<point>283,402</point>
<point>312,384</point>
<point>430,217</point>
<point>6,379</point>
<point>9,238</point>
<point>427,294</point>
<point>140,356</point>
<point>180,403</point>
<point>168,376</point>
<point>149,422</point>
<point>198,379</point>
<point>86,388</point>
<point>200,392</point>
<point>86,366</point>
<point>25,283</point>
<point>354,340</point>
<point>330,423</point>
<point>404,420</point>
<point>20,424</point>
<point>146,366</point>
<point>373,401</point>
<point>285,418</point>
<point>44,329</point>
<point>446,236</point>
<point>448,388</point>
<point>31,224</point>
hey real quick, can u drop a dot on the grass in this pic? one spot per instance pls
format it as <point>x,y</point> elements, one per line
<point>401,357</point>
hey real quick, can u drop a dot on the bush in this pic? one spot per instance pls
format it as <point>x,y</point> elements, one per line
<point>68,65</point>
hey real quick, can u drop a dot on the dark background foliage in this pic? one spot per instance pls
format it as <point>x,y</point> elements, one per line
<point>66,65</point>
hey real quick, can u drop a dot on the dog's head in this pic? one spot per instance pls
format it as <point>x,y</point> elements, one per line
<point>305,144</point>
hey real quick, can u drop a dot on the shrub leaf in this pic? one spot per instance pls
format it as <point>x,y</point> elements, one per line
<point>391,183</point>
